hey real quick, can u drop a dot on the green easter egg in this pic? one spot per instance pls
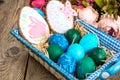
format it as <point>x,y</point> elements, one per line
<point>73,36</point>
<point>98,55</point>
<point>85,67</point>
<point>54,52</point>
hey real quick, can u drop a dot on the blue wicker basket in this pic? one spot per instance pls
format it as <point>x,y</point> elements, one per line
<point>105,40</point>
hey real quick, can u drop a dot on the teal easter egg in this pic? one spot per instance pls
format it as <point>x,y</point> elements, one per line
<point>40,12</point>
<point>98,55</point>
<point>84,67</point>
<point>89,41</point>
<point>76,51</point>
<point>54,51</point>
<point>67,62</point>
<point>73,36</point>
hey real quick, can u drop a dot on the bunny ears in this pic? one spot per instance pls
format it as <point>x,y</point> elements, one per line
<point>67,10</point>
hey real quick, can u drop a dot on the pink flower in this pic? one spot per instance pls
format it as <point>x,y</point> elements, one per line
<point>110,25</point>
<point>88,14</point>
<point>38,3</point>
<point>77,7</point>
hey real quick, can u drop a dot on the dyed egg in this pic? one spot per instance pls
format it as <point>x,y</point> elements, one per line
<point>60,40</point>
<point>67,62</point>
<point>76,51</point>
<point>73,36</point>
<point>89,41</point>
<point>54,52</point>
<point>98,55</point>
<point>84,67</point>
<point>40,12</point>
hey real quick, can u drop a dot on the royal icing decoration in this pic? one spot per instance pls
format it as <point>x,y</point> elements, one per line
<point>33,26</point>
<point>60,16</point>
<point>36,27</point>
<point>67,10</point>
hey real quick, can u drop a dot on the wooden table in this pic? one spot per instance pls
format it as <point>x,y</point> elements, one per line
<point>15,63</point>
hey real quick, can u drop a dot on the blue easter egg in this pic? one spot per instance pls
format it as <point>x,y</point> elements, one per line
<point>76,51</point>
<point>60,40</point>
<point>89,41</point>
<point>67,62</point>
<point>40,12</point>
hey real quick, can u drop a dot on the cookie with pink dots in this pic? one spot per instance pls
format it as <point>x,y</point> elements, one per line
<point>32,26</point>
<point>60,16</point>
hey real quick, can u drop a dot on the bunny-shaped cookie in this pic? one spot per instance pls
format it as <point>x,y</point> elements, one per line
<point>33,26</point>
<point>37,28</point>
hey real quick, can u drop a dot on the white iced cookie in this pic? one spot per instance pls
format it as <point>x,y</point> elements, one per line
<point>32,26</point>
<point>60,16</point>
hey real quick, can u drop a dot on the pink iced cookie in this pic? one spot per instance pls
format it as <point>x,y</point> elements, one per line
<point>60,16</point>
<point>32,26</point>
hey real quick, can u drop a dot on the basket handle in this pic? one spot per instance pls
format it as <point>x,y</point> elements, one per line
<point>110,71</point>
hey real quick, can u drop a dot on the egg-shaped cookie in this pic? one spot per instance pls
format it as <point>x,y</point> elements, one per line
<point>33,26</point>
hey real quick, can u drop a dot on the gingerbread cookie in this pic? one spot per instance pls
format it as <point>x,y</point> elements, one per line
<point>60,16</point>
<point>32,26</point>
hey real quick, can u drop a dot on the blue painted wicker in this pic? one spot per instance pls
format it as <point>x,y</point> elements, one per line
<point>105,40</point>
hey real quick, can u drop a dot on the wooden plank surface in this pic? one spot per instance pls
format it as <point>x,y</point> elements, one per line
<point>13,57</point>
<point>37,72</point>
<point>15,63</point>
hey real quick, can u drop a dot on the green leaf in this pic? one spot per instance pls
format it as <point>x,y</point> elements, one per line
<point>74,2</point>
<point>116,16</point>
<point>84,3</point>
<point>100,3</point>
<point>112,7</point>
